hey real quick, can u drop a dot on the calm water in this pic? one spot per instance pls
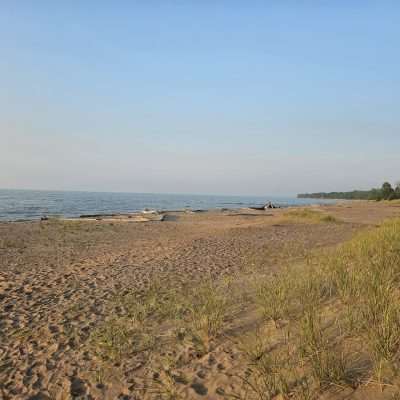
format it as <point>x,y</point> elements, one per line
<point>32,204</point>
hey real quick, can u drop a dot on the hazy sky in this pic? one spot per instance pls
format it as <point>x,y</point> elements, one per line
<point>224,97</point>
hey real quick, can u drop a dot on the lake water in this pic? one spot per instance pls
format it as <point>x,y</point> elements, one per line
<point>33,204</point>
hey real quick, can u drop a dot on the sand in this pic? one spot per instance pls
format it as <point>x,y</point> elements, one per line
<point>57,279</point>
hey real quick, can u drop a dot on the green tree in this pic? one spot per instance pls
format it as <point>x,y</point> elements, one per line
<point>375,194</point>
<point>397,191</point>
<point>387,191</point>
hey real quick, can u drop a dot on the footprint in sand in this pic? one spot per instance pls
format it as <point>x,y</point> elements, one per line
<point>78,387</point>
<point>199,388</point>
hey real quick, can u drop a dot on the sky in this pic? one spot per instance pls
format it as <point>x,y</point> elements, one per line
<point>214,97</point>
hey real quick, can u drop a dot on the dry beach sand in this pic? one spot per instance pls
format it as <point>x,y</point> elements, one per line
<point>59,281</point>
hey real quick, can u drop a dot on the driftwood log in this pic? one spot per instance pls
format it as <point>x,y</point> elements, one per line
<point>266,206</point>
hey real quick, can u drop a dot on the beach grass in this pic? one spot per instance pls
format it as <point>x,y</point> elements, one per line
<point>332,320</point>
<point>307,214</point>
<point>357,282</point>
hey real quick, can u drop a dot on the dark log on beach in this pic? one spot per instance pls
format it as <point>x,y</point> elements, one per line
<point>249,215</point>
<point>266,206</point>
<point>96,215</point>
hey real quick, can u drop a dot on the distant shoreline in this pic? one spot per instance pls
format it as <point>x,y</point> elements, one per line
<point>385,192</point>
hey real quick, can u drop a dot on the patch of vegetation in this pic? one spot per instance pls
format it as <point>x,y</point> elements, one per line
<point>272,295</point>
<point>165,382</point>
<point>15,243</point>
<point>310,215</point>
<point>118,337</point>
<point>342,307</point>
<point>205,312</point>
<point>131,329</point>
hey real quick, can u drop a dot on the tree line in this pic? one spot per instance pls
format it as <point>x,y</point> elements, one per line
<point>386,192</point>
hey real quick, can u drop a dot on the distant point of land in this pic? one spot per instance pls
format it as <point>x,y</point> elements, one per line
<point>386,192</point>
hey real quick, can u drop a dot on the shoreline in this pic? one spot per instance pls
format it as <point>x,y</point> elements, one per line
<point>31,205</point>
<point>134,215</point>
<point>148,212</point>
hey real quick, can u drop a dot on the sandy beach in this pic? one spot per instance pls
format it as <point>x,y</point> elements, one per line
<point>59,281</point>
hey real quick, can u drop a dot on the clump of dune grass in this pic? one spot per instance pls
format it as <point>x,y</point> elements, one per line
<point>165,387</point>
<point>328,364</point>
<point>205,312</point>
<point>118,337</point>
<point>134,325</point>
<point>8,243</point>
<point>269,377</point>
<point>394,202</point>
<point>155,303</point>
<point>307,214</point>
<point>268,372</point>
<point>162,379</point>
<point>272,295</point>
<point>165,382</point>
